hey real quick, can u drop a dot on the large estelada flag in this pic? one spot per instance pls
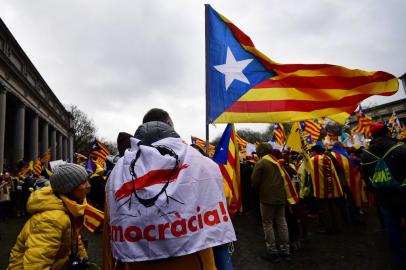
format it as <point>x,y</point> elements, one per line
<point>227,157</point>
<point>244,86</point>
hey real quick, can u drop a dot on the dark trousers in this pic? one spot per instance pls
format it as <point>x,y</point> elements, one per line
<point>392,220</point>
<point>330,214</point>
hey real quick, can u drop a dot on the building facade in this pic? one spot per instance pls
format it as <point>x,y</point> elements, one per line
<point>382,113</point>
<point>32,119</point>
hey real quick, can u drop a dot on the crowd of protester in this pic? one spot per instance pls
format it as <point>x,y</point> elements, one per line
<point>334,185</point>
<point>283,188</point>
<point>14,193</point>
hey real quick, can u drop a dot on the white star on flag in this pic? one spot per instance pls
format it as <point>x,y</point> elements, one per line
<point>232,69</point>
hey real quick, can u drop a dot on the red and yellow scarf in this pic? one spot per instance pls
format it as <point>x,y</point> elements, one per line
<point>92,217</point>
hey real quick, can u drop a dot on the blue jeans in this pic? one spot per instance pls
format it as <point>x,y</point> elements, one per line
<point>222,257</point>
<point>392,221</point>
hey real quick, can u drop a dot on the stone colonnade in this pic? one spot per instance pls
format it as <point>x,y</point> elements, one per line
<point>28,135</point>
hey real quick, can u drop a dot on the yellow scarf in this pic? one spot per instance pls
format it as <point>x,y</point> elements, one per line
<point>92,217</point>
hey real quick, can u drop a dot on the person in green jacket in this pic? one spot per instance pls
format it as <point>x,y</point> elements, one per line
<point>268,181</point>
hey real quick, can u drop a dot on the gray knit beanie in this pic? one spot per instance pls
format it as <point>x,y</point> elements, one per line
<point>66,177</point>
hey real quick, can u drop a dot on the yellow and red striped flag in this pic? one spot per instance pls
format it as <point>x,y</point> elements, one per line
<point>353,177</point>
<point>202,144</point>
<point>279,135</point>
<point>242,145</point>
<point>256,89</point>
<point>312,128</point>
<point>364,121</point>
<point>227,157</point>
<point>241,141</point>
<point>394,126</point>
<point>37,167</point>
<point>99,152</point>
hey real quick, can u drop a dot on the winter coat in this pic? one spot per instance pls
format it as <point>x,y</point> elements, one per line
<point>268,181</point>
<point>46,239</point>
<point>395,160</point>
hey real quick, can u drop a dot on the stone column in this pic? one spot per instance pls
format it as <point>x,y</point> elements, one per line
<point>65,149</point>
<point>19,130</point>
<point>2,124</point>
<point>44,138</point>
<point>70,148</point>
<point>53,144</point>
<point>33,139</point>
<point>59,149</point>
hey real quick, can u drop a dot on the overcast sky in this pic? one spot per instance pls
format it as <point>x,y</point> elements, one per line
<point>117,59</point>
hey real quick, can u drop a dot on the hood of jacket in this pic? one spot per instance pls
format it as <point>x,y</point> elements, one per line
<point>151,132</point>
<point>44,199</point>
<point>380,145</point>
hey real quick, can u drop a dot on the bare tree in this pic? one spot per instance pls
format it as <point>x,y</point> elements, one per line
<point>84,130</point>
<point>112,146</point>
<point>250,135</point>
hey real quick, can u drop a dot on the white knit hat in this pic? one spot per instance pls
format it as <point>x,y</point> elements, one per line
<point>66,177</point>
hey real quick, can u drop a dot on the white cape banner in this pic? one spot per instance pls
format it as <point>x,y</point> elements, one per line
<point>174,206</point>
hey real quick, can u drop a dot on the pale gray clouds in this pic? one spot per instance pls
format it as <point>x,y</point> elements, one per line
<point>117,59</point>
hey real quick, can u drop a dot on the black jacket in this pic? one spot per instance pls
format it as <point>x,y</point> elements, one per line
<point>395,160</point>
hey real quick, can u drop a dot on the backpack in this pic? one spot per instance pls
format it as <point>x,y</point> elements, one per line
<point>382,177</point>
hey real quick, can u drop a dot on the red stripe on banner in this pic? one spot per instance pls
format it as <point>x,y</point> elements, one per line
<point>324,82</point>
<point>153,177</point>
<point>288,68</point>
<point>292,105</point>
<point>316,175</point>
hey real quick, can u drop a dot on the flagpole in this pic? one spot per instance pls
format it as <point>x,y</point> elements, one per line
<point>206,30</point>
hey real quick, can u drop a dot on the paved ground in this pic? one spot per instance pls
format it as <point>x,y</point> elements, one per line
<point>361,247</point>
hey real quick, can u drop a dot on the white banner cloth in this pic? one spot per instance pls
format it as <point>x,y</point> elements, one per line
<point>250,148</point>
<point>190,215</point>
<point>55,163</point>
